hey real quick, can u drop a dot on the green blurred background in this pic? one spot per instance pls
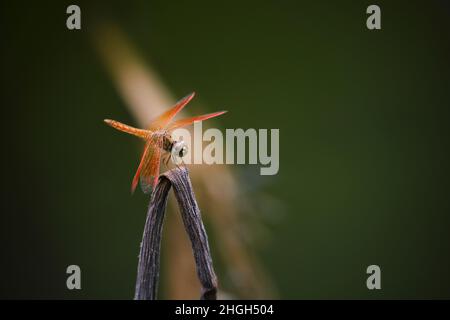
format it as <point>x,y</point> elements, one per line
<point>363,118</point>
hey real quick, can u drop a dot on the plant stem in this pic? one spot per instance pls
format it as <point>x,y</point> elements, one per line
<point>149,257</point>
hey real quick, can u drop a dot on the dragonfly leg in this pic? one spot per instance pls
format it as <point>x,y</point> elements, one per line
<point>166,160</point>
<point>182,164</point>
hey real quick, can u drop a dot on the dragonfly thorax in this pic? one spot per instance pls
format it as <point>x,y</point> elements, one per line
<point>167,142</point>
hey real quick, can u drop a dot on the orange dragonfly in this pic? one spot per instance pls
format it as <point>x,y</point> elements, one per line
<point>157,139</point>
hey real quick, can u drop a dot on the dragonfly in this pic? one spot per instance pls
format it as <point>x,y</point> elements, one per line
<point>159,141</point>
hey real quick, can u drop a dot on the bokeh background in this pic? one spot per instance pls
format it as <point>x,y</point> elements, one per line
<point>364,162</point>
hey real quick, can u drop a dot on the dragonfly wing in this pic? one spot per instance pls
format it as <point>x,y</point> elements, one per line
<point>148,170</point>
<point>188,121</point>
<point>162,120</point>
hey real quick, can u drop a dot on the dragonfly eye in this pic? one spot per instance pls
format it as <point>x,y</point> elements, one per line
<point>179,149</point>
<point>183,152</point>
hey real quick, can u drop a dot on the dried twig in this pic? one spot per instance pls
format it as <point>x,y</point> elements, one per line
<point>148,268</point>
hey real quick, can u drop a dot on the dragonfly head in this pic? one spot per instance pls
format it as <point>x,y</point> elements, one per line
<point>179,149</point>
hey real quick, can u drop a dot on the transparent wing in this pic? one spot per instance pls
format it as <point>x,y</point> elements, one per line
<point>188,121</point>
<point>162,120</point>
<point>150,173</point>
<point>148,170</point>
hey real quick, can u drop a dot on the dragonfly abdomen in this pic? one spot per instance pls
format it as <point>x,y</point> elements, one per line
<point>126,128</point>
